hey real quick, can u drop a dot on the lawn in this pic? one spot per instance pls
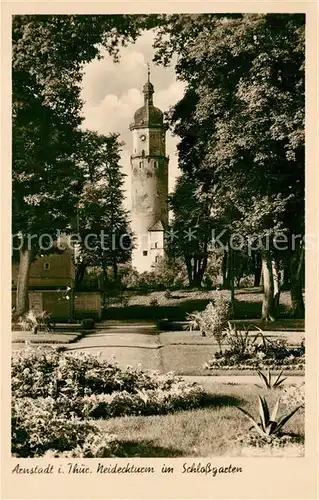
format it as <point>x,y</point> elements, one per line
<point>21,336</point>
<point>179,303</point>
<point>209,431</point>
<point>190,360</point>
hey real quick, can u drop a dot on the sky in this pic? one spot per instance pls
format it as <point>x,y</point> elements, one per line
<point>112,92</point>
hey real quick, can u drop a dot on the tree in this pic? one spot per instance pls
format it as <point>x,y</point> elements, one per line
<point>102,220</point>
<point>48,57</point>
<point>241,124</point>
<point>190,230</point>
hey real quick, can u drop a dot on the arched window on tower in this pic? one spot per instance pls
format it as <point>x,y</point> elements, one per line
<point>155,164</point>
<point>143,153</point>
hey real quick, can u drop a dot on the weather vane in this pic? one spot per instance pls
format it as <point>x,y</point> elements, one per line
<point>148,72</point>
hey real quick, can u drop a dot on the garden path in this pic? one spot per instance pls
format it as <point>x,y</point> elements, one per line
<point>130,343</point>
<point>140,342</point>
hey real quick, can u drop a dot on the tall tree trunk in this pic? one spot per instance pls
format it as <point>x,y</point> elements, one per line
<point>286,277</point>
<point>80,272</point>
<point>277,286</point>
<point>257,269</point>
<point>231,279</point>
<point>115,268</point>
<point>225,266</point>
<point>203,267</point>
<point>22,296</point>
<point>104,286</point>
<point>296,268</point>
<point>268,283</point>
<point>194,273</point>
<point>200,265</point>
<point>189,270</point>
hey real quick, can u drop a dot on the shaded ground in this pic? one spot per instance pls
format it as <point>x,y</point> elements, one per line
<point>179,303</point>
<point>209,431</point>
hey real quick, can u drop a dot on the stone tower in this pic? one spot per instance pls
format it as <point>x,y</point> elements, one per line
<point>149,184</point>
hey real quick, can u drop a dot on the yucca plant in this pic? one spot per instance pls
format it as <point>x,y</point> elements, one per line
<point>268,425</point>
<point>267,379</point>
<point>33,321</point>
<point>194,322</point>
<point>240,340</point>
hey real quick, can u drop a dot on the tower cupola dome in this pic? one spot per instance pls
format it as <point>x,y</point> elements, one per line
<point>148,115</point>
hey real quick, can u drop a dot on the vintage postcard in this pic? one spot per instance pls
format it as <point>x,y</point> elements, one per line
<point>159,250</point>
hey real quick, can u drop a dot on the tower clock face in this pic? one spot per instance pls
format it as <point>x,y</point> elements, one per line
<point>143,137</point>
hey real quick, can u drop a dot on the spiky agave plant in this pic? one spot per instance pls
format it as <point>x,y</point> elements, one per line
<point>267,379</point>
<point>194,322</point>
<point>268,425</point>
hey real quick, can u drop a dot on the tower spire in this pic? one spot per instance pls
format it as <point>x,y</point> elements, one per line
<point>148,73</point>
<point>148,89</point>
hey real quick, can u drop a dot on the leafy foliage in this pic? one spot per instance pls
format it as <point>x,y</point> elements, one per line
<point>240,340</point>
<point>48,54</point>
<point>167,274</point>
<point>37,426</point>
<point>101,217</point>
<point>259,354</point>
<point>267,380</point>
<point>241,123</point>
<point>283,444</point>
<point>213,320</point>
<point>34,321</point>
<point>268,425</point>
<point>190,231</point>
<point>55,395</point>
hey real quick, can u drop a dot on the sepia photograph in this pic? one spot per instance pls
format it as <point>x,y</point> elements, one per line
<point>158,239</point>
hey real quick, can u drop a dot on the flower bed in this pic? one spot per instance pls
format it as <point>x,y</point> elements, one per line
<point>56,396</point>
<point>299,364</point>
<point>265,355</point>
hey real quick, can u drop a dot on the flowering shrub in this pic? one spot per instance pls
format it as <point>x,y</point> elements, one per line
<point>293,395</point>
<point>38,426</point>
<point>181,396</point>
<point>56,395</point>
<point>46,372</point>
<point>213,320</point>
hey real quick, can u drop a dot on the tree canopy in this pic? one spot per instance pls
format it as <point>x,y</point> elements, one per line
<point>241,120</point>
<point>49,52</point>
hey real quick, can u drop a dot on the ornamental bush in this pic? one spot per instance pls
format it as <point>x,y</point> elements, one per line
<point>38,425</point>
<point>48,373</point>
<point>213,320</point>
<point>166,274</point>
<point>155,401</point>
<point>56,396</point>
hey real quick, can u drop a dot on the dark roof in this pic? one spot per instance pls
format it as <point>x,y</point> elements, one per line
<point>148,115</point>
<point>158,226</point>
